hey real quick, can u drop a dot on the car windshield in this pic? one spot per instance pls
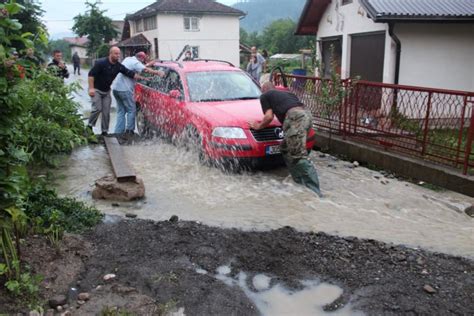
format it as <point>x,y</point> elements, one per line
<point>221,86</point>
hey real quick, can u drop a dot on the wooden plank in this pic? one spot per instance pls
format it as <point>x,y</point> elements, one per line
<point>123,172</point>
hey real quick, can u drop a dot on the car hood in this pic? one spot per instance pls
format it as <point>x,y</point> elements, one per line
<point>230,113</point>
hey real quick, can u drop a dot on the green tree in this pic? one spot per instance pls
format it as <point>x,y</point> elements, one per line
<point>244,37</point>
<point>254,39</point>
<point>30,19</point>
<point>63,46</point>
<point>97,27</point>
<point>279,37</point>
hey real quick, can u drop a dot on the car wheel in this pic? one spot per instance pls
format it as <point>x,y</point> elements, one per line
<point>143,125</point>
<point>193,142</point>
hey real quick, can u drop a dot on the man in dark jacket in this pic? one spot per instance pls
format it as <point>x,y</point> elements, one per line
<point>57,66</point>
<point>100,79</point>
<point>296,121</point>
<point>76,62</point>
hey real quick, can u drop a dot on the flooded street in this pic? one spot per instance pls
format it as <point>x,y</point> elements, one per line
<point>357,201</point>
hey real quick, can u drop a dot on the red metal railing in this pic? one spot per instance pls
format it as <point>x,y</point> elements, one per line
<point>432,124</point>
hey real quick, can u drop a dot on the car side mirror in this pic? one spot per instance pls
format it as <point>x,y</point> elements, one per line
<point>175,94</point>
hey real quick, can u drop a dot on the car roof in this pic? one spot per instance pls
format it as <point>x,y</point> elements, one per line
<point>198,65</point>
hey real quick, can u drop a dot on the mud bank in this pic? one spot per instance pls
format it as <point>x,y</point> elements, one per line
<point>161,267</point>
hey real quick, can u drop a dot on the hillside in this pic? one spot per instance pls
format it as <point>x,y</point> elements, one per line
<point>260,13</point>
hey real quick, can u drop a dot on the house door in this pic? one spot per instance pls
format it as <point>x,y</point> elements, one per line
<point>367,58</point>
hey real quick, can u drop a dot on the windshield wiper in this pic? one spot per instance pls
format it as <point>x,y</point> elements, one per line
<point>209,100</point>
<point>243,98</point>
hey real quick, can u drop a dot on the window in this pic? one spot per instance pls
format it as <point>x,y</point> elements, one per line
<point>139,25</point>
<point>173,82</point>
<point>195,52</point>
<point>214,86</point>
<point>344,2</point>
<point>157,54</point>
<point>331,51</point>
<point>191,23</point>
<point>149,23</point>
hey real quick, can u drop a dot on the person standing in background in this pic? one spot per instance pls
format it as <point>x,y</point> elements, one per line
<point>260,62</point>
<point>253,67</point>
<point>76,62</point>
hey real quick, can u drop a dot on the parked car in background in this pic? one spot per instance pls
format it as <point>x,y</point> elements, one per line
<point>207,104</point>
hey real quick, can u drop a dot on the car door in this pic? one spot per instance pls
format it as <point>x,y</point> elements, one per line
<point>173,103</point>
<point>154,98</point>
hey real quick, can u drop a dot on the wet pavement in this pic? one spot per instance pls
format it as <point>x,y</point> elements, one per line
<point>358,201</point>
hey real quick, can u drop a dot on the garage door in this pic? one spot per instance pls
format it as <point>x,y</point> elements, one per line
<point>367,56</point>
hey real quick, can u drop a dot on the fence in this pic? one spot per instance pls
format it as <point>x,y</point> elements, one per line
<point>432,124</point>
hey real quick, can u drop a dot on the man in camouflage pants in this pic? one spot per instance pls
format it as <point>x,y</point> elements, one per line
<point>296,122</point>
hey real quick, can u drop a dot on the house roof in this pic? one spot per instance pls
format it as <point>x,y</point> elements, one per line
<point>419,10</point>
<point>77,41</point>
<point>135,41</point>
<point>392,10</point>
<point>312,13</point>
<point>118,25</point>
<point>185,6</point>
<point>286,56</point>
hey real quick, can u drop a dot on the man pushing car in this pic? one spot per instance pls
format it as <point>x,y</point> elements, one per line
<point>296,121</point>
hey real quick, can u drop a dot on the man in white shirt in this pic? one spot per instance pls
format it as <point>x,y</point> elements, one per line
<point>123,89</point>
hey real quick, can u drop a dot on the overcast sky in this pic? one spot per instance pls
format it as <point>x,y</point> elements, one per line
<point>59,13</point>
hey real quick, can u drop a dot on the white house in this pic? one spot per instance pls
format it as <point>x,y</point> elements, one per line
<point>426,43</point>
<point>78,45</point>
<point>209,28</point>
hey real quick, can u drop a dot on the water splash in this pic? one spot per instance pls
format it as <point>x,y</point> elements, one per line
<point>356,201</point>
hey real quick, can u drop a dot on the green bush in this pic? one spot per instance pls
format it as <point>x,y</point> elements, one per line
<point>48,211</point>
<point>50,123</point>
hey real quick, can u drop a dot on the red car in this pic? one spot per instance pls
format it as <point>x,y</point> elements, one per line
<point>208,103</point>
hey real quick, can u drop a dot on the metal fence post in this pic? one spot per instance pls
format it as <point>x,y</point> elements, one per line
<point>425,132</point>
<point>342,111</point>
<point>356,105</point>
<point>463,113</point>
<point>470,137</point>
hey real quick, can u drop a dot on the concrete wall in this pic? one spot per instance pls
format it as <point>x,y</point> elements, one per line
<point>352,19</point>
<point>437,55</point>
<point>411,168</point>
<point>217,38</point>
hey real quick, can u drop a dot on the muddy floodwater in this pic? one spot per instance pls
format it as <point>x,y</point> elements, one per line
<point>357,201</point>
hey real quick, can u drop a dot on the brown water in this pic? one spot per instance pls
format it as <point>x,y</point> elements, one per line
<point>356,203</point>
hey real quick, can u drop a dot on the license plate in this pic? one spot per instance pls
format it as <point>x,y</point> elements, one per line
<point>272,150</point>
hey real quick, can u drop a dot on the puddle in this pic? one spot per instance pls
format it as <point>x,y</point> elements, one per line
<point>275,299</point>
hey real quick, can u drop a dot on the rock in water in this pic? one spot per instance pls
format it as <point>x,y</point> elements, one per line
<point>470,211</point>
<point>108,188</point>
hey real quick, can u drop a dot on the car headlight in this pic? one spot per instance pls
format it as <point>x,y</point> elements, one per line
<point>229,132</point>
